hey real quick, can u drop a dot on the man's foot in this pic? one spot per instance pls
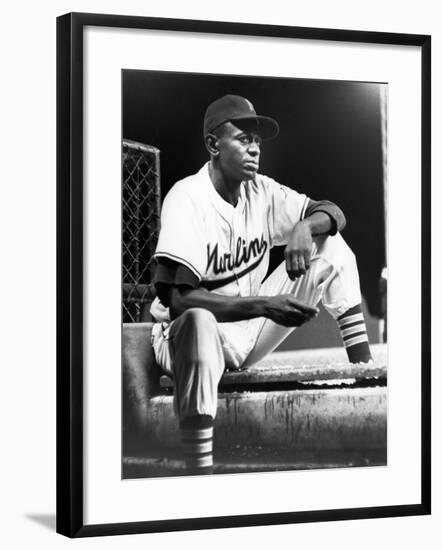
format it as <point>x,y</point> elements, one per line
<point>368,363</point>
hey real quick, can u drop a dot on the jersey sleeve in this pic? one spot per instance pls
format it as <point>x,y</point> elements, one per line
<point>286,208</point>
<point>181,233</point>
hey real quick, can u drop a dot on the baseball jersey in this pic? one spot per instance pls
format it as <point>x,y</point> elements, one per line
<point>225,247</point>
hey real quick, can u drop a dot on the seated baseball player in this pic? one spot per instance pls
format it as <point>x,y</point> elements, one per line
<point>213,310</point>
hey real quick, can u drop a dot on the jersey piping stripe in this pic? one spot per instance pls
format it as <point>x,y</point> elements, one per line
<point>304,208</point>
<point>212,285</point>
<point>179,260</point>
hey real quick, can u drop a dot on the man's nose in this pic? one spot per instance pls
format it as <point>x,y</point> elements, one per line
<point>254,148</point>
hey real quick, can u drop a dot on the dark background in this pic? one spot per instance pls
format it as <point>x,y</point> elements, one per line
<point>329,145</point>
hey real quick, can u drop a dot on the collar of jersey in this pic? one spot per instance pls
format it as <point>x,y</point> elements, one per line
<point>224,207</point>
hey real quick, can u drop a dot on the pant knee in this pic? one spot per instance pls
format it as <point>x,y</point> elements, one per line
<point>199,317</point>
<point>196,325</point>
<point>336,252</point>
<point>196,341</point>
<point>337,276</point>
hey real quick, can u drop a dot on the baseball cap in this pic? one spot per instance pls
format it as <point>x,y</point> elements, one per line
<point>234,107</point>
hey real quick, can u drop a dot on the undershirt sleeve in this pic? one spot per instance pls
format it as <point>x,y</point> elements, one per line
<point>329,208</point>
<point>170,273</point>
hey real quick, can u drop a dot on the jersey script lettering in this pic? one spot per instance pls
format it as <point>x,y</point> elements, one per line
<point>220,263</point>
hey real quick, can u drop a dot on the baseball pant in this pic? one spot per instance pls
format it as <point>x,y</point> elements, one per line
<point>195,349</point>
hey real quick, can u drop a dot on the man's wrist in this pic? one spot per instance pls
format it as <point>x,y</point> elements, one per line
<point>306,222</point>
<point>319,223</point>
<point>261,306</point>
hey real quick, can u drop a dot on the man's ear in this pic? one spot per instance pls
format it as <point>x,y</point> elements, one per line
<point>212,144</point>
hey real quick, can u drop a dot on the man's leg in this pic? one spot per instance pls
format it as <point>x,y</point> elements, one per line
<point>354,335</point>
<point>197,364</point>
<point>333,279</point>
<point>342,298</point>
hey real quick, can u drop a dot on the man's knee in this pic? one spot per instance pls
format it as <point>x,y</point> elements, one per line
<point>336,252</point>
<point>198,317</point>
<point>197,341</point>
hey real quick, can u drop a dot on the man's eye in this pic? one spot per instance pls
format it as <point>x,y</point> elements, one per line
<point>247,140</point>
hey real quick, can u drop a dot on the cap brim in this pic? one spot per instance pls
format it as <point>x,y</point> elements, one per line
<point>268,128</point>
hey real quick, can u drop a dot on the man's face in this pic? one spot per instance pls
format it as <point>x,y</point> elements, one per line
<point>239,146</point>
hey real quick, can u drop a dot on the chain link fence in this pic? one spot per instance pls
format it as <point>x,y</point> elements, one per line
<point>141,220</point>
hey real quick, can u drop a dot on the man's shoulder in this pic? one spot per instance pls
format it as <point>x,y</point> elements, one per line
<point>190,186</point>
<point>262,184</point>
<point>269,185</point>
<point>187,191</point>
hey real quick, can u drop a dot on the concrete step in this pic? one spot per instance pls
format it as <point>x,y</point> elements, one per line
<point>308,401</point>
<point>326,366</point>
<point>246,459</point>
<point>303,419</point>
<point>143,377</point>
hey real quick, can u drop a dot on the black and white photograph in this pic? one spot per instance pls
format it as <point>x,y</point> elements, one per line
<point>239,210</point>
<point>254,274</point>
<point>221,279</point>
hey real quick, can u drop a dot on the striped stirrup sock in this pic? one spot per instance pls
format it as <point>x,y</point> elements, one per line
<point>197,440</point>
<point>354,335</point>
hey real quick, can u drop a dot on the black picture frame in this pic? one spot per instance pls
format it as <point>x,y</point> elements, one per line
<point>70,234</point>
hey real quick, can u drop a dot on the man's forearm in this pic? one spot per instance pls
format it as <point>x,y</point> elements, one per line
<point>299,246</point>
<point>225,308</point>
<point>283,309</point>
<point>319,223</point>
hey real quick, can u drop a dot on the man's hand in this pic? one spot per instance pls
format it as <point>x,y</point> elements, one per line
<point>298,250</point>
<point>286,310</point>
